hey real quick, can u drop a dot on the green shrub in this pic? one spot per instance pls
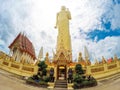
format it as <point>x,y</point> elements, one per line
<point>44,71</point>
<point>81,81</point>
<point>78,69</point>
<point>78,78</point>
<point>46,78</point>
<point>30,80</point>
<point>42,65</point>
<point>92,83</point>
<point>76,85</point>
<point>42,83</point>
<point>85,83</point>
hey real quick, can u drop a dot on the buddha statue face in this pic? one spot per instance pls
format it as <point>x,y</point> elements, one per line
<point>63,8</point>
<point>80,54</point>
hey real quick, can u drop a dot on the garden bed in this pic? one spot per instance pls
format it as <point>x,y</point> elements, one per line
<point>37,83</point>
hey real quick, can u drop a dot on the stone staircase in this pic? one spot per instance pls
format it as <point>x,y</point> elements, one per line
<point>61,84</point>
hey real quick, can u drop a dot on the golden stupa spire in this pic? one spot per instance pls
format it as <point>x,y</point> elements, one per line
<point>115,57</point>
<point>96,61</point>
<point>80,57</point>
<point>103,60</point>
<point>87,58</point>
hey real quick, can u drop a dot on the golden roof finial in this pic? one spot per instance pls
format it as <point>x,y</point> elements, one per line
<point>47,54</point>
<point>115,57</point>
<point>103,60</point>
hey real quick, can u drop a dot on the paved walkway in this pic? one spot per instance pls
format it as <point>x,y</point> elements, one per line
<point>9,82</point>
<point>115,85</point>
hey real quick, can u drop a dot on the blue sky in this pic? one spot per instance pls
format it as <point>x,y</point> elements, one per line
<point>95,23</point>
<point>106,32</point>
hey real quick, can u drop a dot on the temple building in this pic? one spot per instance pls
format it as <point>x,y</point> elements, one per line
<point>63,55</point>
<point>22,50</point>
<point>22,59</point>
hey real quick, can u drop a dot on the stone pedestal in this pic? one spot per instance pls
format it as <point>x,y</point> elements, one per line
<point>51,85</point>
<point>70,86</point>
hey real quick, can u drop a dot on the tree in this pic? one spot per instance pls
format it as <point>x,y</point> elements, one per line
<point>42,68</point>
<point>40,79</point>
<point>80,80</point>
<point>78,69</point>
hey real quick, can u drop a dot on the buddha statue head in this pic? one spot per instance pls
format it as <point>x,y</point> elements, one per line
<point>63,8</point>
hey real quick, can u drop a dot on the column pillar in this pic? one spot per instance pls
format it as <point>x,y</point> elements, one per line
<point>55,72</point>
<point>105,67</point>
<point>88,70</point>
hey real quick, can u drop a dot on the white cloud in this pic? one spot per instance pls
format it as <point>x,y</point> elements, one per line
<point>2,42</point>
<point>107,47</point>
<point>116,15</point>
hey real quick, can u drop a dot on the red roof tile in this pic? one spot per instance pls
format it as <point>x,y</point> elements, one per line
<point>25,44</point>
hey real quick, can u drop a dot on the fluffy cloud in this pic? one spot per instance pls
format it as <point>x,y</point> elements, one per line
<point>36,18</point>
<point>116,20</point>
<point>107,47</point>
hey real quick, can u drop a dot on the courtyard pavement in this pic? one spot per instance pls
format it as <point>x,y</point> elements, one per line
<point>9,82</point>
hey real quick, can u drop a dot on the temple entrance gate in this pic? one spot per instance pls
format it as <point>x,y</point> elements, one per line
<point>61,72</point>
<point>61,66</point>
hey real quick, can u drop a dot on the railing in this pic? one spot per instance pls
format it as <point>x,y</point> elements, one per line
<point>7,63</point>
<point>103,70</point>
<point>112,66</point>
<point>98,71</point>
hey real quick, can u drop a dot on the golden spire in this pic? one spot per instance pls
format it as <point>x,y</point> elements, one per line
<point>115,57</point>
<point>47,58</point>
<point>96,61</point>
<point>87,56</point>
<point>80,57</point>
<point>47,54</point>
<point>103,60</point>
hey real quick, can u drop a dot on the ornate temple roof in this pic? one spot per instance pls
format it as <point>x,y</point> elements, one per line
<point>24,44</point>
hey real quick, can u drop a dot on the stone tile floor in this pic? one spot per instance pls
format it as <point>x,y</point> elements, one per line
<point>9,82</point>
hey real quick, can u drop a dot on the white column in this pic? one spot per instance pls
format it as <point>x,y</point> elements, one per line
<point>31,60</point>
<point>10,52</point>
<point>16,55</point>
<point>28,58</point>
<point>23,56</point>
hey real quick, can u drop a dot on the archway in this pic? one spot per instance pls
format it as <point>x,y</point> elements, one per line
<point>61,72</point>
